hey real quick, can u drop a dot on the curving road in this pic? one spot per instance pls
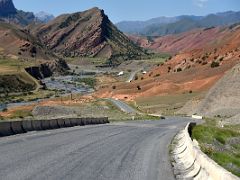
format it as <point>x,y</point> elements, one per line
<point>118,151</point>
<point>122,106</point>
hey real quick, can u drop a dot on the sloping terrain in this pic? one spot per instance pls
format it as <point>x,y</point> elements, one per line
<point>197,39</point>
<point>44,16</point>
<point>88,33</point>
<point>137,27</point>
<point>173,25</point>
<point>9,13</point>
<point>20,51</point>
<point>224,97</point>
<point>19,82</point>
<point>191,70</point>
<point>7,7</point>
<point>18,42</point>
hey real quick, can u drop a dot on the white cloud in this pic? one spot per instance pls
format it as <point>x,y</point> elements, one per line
<point>200,3</point>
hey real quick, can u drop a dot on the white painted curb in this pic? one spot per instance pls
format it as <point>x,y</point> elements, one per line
<point>189,162</point>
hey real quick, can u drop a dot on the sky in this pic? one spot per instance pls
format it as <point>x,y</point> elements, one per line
<point>119,10</point>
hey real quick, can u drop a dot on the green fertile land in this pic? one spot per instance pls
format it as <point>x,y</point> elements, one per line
<point>222,144</point>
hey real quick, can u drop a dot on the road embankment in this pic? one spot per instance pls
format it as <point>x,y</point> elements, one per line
<point>189,162</point>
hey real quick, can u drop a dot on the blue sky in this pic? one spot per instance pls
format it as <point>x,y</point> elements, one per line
<point>119,10</point>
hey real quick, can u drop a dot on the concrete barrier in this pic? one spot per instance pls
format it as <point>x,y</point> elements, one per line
<point>80,122</point>
<point>54,124</point>
<point>106,120</point>
<point>101,121</point>
<point>189,162</point>
<point>67,123</point>
<point>37,125</point>
<point>27,126</point>
<point>73,122</point>
<point>88,121</point>
<point>45,124</point>
<point>94,121</point>
<point>61,123</point>
<point>5,129</point>
<point>17,127</point>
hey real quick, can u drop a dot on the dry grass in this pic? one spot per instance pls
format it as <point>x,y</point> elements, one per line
<point>166,105</point>
<point>12,66</point>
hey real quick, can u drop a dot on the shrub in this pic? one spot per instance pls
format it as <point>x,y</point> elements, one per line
<point>157,75</point>
<point>114,87</point>
<point>221,59</point>
<point>207,150</point>
<point>214,64</point>
<point>138,87</point>
<point>88,81</point>
<point>179,69</point>
<point>5,110</point>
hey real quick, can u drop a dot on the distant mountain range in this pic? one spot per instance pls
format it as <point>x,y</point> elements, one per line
<point>44,17</point>
<point>9,13</point>
<point>173,25</point>
<point>82,34</point>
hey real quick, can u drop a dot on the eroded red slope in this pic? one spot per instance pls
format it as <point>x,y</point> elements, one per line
<point>203,58</point>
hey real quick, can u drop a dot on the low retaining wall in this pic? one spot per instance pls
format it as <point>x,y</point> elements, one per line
<point>189,162</point>
<point>17,127</point>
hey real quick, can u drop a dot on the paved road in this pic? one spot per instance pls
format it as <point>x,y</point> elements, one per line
<point>118,151</point>
<point>123,106</point>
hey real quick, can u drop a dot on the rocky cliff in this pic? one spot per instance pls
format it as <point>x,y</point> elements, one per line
<point>48,69</point>
<point>10,14</point>
<point>88,33</point>
<point>7,8</point>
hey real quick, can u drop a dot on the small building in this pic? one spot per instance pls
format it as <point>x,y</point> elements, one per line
<point>120,73</point>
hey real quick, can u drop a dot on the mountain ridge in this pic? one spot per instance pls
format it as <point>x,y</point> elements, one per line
<point>202,58</point>
<point>87,33</point>
<point>44,17</point>
<point>179,24</point>
<point>9,14</point>
<point>7,8</point>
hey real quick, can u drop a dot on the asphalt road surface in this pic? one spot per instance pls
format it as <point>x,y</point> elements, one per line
<point>123,106</point>
<point>118,151</point>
